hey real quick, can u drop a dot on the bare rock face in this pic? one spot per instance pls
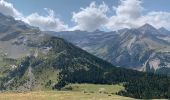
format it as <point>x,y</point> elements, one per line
<point>145,48</point>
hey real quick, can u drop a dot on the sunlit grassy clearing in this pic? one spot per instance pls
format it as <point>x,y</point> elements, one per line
<point>59,95</point>
<point>78,92</point>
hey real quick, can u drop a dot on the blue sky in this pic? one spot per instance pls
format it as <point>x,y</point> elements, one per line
<point>95,14</point>
<point>64,8</point>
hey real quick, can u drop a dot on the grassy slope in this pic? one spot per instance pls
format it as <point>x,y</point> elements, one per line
<point>95,88</point>
<point>76,94</point>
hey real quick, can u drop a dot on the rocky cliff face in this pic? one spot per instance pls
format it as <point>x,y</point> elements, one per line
<point>145,48</point>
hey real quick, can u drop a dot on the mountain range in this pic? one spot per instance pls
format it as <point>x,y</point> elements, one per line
<point>32,60</point>
<point>145,48</point>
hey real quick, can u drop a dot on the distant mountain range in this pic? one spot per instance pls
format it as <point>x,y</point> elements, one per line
<point>32,60</point>
<point>145,48</point>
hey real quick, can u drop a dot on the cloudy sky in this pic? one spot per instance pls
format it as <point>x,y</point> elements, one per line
<point>61,15</point>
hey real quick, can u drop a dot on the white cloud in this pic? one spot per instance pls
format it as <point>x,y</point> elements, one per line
<point>8,9</point>
<point>126,15</point>
<point>91,17</point>
<point>157,19</point>
<point>129,9</point>
<point>129,14</point>
<point>49,22</point>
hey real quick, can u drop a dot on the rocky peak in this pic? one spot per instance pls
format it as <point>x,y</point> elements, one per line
<point>148,29</point>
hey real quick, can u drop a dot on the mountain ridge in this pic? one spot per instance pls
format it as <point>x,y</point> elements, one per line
<point>126,47</point>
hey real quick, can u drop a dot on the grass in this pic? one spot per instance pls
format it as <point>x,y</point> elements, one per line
<point>95,88</point>
<point>78,92</point>
<point>59,95</point>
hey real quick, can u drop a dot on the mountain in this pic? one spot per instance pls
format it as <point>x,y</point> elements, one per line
<point>145,48</point>
<point>148,29</point>
<point>33,60</point>
<point>164,31</point>
<point>65,63</point>
<point>43,71</point>
<point>15,37</point>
